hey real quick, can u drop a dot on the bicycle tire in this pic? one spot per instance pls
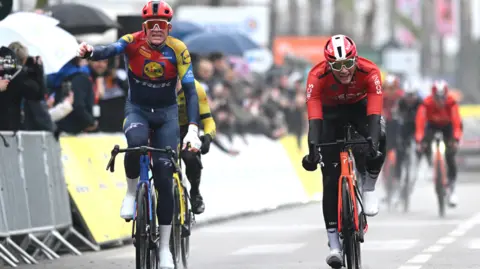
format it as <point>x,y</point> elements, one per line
<point>142,236</point>
<point>348,229</point>
<point>185,241</point>
<point>439,187</point>
<point>388,183</point>
<point>406,185</point>
<point>154,242</point>
<point>175,235</point>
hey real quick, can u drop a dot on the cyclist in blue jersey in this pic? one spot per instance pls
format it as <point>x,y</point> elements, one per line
<point>154,61</point>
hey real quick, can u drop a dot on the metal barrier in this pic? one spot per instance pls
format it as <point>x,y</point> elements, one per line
<point>34,202</point>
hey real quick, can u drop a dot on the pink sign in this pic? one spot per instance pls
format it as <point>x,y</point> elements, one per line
<point>444,17</point>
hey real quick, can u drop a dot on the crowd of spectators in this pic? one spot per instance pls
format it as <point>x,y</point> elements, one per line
<point>85,97</point>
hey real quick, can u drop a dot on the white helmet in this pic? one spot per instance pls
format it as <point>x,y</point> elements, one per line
<point>411,87</point>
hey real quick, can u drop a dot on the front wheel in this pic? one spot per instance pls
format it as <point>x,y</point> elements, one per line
<point>175,236</point>
<point>143,258</point>
<point>439,187</point>
<point>351,246</point>
<point>186,232</point>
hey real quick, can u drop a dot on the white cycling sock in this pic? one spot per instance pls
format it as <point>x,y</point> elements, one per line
<point>369,182</point>
<point>132,185</point>
<point>333,239</point>
<point>165,231</point>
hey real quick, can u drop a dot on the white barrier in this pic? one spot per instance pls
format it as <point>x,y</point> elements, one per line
<point>261,177</point>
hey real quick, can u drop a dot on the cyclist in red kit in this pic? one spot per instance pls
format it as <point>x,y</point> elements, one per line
<point>391,97</point>
<point>344,88</point>
<point>439,112</point>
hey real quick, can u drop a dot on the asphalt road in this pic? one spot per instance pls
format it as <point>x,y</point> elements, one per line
<point>295,239</point>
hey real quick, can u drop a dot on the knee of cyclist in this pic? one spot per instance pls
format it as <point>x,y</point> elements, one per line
<point>137,138</point>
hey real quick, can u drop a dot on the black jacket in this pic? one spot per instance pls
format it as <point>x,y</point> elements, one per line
<point>21,87</point>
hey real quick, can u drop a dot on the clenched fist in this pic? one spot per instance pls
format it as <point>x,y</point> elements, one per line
<point>84,50</point>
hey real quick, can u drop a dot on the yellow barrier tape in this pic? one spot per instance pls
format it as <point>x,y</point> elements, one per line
<point>97,193</point>
<point>311,181</point>
<point>468,111</point>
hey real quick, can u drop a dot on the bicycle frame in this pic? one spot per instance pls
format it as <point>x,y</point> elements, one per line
<point>144,168</point>
<point>347,172</point>
<point>439,161</point>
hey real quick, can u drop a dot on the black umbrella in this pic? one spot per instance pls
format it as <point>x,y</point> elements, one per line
<point>79,19</point>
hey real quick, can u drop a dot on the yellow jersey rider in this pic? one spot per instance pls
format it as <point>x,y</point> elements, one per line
<point>155,61</point>
<point>192,162</point>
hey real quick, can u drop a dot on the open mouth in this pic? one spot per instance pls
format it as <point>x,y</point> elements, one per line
<point>156,34</point>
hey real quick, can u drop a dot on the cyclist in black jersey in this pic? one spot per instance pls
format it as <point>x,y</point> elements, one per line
<point>407,109</point>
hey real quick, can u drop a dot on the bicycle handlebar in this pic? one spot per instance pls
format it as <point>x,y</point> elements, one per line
<point>345,143</point>
<point>143,150</point>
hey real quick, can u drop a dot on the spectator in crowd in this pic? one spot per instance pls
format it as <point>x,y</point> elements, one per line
<point>220,65</point>
<point>74,77</point>
<point>25,86</point>
<point>35,111</point>
<point>110,87</point>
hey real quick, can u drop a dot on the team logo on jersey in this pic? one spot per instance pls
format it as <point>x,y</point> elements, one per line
<point>153,69</point>
<point>186,57</point>
<point>128,38</point>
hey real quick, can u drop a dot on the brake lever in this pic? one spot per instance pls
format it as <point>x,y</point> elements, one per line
<point>111,163</point>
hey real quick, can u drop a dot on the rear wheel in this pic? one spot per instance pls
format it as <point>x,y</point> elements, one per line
<point>175,236</point>
<point>154,234</point>
<point>186,231</point>
<point>406,184</point>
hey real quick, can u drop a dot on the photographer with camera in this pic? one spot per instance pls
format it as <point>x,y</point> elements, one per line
<point>21,79</point>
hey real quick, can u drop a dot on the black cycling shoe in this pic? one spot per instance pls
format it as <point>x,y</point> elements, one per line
<point>198,207</point>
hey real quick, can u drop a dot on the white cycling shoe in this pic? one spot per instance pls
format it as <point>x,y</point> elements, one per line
<point>128,204</point>
<point>452,199</point>
<point>370,203</point>
<point>334,259</point>
<point>166,259</point>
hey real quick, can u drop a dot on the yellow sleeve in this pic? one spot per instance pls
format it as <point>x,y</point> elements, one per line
<point>184,61</point>
<point>208,123</point>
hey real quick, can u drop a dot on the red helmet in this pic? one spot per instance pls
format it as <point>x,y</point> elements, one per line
<point>340,47</point>
<point>440,89</point>
<point>157,9</point>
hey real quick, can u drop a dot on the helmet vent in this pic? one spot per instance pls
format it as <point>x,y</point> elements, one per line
<point>339,50</point>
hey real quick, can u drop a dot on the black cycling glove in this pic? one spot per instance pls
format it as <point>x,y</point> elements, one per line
<point>206,140</point>
<point>310,161</point>
<point>374,126</point>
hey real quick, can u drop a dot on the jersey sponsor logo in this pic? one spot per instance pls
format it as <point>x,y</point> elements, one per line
<point>152,84</point>
<point>378,84</point>
<point>153,69</point>
<point>128,38</point>
<point>133,125</point>
<point>189,74</point>
<point>309,90</point>
<point>186,59</point>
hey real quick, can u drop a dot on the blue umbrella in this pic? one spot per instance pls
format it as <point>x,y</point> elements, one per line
<point>181,29</point>
<point>226,42</point>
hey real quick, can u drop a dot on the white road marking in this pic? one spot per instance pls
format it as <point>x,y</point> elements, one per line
<point>446,240</point>
<point>434,249</point>
<point>410,267</point>
<point>458,232</point>
<point>224,229</point>
<point>420,258</point>
<point>269,249</point>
